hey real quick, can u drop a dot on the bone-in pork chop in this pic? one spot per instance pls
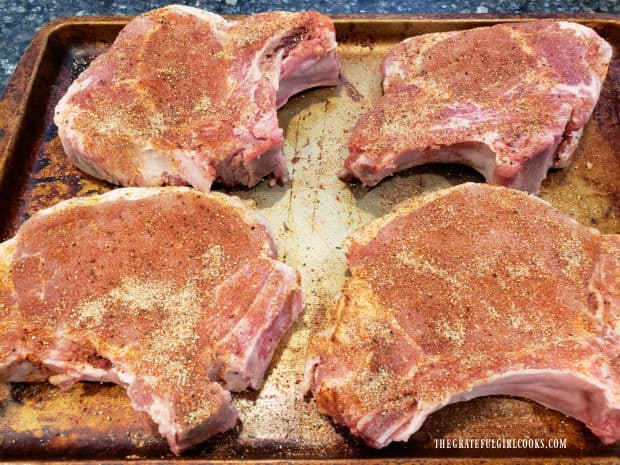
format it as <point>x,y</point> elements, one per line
<point>510,101</point>
<point>172,293</point>
<point>185,97</point>
<point>471,291</point>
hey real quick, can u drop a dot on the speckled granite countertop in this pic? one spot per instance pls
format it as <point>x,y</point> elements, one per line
<point>21,18</point>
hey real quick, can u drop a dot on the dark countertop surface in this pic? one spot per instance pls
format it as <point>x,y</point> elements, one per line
<point>21,18</point>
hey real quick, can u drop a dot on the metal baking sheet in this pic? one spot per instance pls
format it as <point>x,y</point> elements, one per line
<point>310,217</point>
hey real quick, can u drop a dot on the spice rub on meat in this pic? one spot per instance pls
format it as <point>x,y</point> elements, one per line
<point>185,97</point>
<point>471,291</point>
<point>509,100</point>
<point>172,293</point>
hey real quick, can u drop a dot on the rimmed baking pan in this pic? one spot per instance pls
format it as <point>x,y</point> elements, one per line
<point>310,216</point>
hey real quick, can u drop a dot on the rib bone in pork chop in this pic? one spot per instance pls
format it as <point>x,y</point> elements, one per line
<point>172,293</point>
<point>472,291</point>
<point>510,101</point>
<point>186,97</point>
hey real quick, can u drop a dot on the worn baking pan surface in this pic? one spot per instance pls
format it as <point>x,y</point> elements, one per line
<point>310,216</point>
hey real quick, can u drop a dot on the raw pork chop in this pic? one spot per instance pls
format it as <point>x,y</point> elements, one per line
<point>510,101</point>
<point>186,97</point>
<point>169,292</point>
<point>472,291</point>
